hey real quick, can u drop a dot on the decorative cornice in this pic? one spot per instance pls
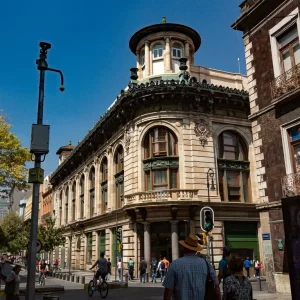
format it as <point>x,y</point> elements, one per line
<point>269,205</point>
<point>127,102</point>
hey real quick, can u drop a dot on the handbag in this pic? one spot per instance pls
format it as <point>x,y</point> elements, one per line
<point>210,290</point>
<point>10,287</point>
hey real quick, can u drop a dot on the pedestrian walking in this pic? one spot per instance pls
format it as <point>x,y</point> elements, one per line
<point>237,286</point>
<point>108,269</point>
<point>162,269</point>
<point>130,269</point>
<point>12,284</point>
<point>247,265</point>
<point>143,268</point>
<point>223,264</point>
<point>257,267</point>
<point>119,266</point>
<point>187,276</point>
<point>153,270</point>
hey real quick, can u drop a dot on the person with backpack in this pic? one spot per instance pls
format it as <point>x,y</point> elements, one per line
<point>247,265</point>
<point>153,270</point>
<point>223,264</point>
<point>12,284</point>
<point>130,269</point>
<point>237,286</point>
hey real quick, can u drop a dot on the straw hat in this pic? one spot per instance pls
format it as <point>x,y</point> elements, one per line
<point>191,242</point>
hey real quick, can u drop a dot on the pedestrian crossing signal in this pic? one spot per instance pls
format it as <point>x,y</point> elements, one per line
<point>201,238</point>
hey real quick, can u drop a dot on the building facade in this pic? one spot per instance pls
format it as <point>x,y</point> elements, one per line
<point>45,203</point>
<point>271,37</point>
<point>144,167</point>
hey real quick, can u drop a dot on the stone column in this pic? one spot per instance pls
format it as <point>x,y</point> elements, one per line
<point>86,213</point>
<point>147,244</point>
<point>174,236</point>
<point>138,65</point>
<point>168,68</point>
<point>70,203</point>
<point>77,200</point>
<point>187,55</point>
<point>147,59</point>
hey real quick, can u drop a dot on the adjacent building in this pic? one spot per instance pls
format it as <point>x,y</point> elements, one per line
<point>271,31</point>
<point>16,196</point>
<point>176,139</point>
<point>45,201</point>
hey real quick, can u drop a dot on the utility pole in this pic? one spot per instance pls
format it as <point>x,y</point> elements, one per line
<point>39,147</point>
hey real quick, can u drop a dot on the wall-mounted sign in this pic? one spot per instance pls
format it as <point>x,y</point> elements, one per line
<point>266,236</point>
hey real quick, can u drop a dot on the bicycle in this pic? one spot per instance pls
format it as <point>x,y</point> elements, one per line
<point>43,279</point>
<point>102,287</point>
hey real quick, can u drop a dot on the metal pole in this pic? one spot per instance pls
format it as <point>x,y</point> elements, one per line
<point>116,247</point>
<point>212,252</point>
<point>207,247</point>
<point>122,265</point>
<point>207,184</point>
<point>30,288</point>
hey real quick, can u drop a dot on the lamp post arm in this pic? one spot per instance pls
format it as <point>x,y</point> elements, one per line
<point>61,77</point>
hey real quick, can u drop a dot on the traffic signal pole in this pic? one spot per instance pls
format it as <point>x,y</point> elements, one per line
<point>208,247</point>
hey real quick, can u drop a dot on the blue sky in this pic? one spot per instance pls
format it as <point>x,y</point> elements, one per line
<point>90,45</point>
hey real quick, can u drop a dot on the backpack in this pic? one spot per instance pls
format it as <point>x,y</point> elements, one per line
<point>162,265</point>
<point>154,265</point>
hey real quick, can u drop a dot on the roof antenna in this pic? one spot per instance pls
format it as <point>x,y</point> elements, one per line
<point>239,65</point>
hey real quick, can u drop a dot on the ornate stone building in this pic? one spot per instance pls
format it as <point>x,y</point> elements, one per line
<point>271,36</point>
<point>144,166</point>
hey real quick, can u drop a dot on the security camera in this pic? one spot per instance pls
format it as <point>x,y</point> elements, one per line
<point>45,45</point>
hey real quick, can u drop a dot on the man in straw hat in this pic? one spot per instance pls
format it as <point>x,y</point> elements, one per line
<point>186,278</point>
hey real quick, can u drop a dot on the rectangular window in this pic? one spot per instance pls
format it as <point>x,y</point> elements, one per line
<point>233,185</point>
<point>81,206</point>
<point>157,52</point>
<point>67,213</point>
<point>295,148</point>
<point>230,149</point>
<point>173,178</point>
<point>120,194</point>
<point>92,203</point>
<point>143,60</point>
<point>159,143</point>
<point>221,185</point>
<point>60,216</point>
<point>73,210</point>
<point>160,180</point>
<point>176,53</point>
<point>102,242</point>
<point>104,200</point>
<point>89,248</point>
<point>288,44</point>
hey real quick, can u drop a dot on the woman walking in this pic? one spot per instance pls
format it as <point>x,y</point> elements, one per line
<point>12,284</point>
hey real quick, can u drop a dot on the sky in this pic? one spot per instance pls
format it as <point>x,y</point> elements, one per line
<point>89,41</point>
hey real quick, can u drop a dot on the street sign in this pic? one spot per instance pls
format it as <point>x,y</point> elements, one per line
<point>266,236</point>
<point>38,246</point>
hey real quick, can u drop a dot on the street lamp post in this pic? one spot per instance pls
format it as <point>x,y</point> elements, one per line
<point>210,184</point>
<point>36,174</point>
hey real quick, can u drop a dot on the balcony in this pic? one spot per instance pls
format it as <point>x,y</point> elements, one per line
<point>287,82</point>
<point>162,196</point>
<point>291,185</point>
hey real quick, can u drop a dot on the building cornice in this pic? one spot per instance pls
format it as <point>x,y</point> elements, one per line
<point>269,205</point>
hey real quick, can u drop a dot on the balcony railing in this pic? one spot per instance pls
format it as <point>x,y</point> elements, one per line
<point>288,81</point>
<point>161,196</point>
<point>291,185</point>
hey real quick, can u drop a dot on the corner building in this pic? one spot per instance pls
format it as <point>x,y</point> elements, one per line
<point>143,167</point>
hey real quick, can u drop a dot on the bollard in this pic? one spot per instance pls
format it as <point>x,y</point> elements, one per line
<point>68,277</point>
<point>126,278</point>
<point>82,279</point>
<point>64,276</point>
<point>72,277</point>
<point>147,277</point>
<point>77,279</point>
<point>60,275</point>
<point>56,275</point>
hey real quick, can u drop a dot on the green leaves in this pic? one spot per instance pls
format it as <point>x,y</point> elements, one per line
<point>14,236</point>
<point>12,158</point>
<point>50,236</point>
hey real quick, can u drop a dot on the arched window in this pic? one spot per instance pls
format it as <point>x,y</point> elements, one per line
<point>92,191</point>
<point>142,57</point>
<point>157,51</point>
<point>82,196</point>
<point>67,206</point>
<point>73,201</point>
<point>60,208</point>
<point>119,176</point>
<point>160,159</point>
<point>204,81</point>
<point>176,51</point>
<point>104,178</point>
<point>234,183</point>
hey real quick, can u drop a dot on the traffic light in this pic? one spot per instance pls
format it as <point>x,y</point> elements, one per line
<point>207,219</point>
<point>120,248</point>
<point>202,238</point>
<point>119,235</point>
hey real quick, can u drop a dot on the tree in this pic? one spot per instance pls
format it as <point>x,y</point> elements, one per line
<point>13,157</point>
<point>15,234</point>
<point>50,236</point>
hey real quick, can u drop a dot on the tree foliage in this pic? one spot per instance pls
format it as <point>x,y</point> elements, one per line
<point>15,235</point>
<point>50,236</point>
<point>13,157</point>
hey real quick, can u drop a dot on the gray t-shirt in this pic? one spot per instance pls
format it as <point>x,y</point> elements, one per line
<point>102,265</point>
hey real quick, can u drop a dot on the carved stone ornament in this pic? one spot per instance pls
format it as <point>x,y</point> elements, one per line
<point>202,130</point>
<point>127,136</point>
